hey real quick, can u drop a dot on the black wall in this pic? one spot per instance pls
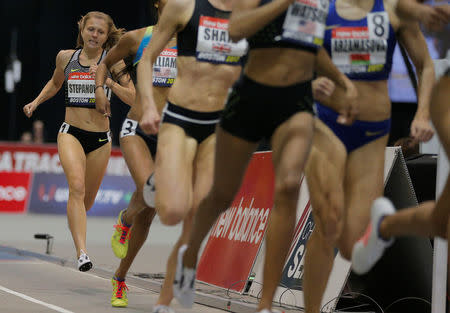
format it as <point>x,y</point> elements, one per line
<point>45,27</point>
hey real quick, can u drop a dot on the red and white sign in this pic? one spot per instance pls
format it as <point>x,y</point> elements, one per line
<point>20,158</point>
<point>236,238</point>
<point>14,190</point>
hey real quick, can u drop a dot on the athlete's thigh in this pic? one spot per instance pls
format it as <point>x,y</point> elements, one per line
<point>364,182</point>
<point>174,167</point>
<point>328,154</point>
<point>73,160</point>
<point>204,169</point>
<point>231,160</point>
<point>325,171</point>
<point>440,112</point>
<point>138,159</point>
<point>96,164</point>
<point>291,143</point>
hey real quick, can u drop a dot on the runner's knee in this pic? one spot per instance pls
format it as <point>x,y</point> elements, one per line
<point>287,187</point>
<point>328,210</point>
<point>77,188</point>
<point>171,216</point>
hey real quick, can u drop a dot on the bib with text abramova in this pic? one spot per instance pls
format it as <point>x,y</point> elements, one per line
<point>80,84</point>
<point>362,49</point>
<point>305,22</point>
<point>214,44</point>
<point>165,68</point>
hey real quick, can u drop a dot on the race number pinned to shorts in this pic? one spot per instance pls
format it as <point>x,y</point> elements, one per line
<point>361,49</point>
<point>165,68</point>
<point>305,22</point>
<point>214,44</point>
<point>129,127</point>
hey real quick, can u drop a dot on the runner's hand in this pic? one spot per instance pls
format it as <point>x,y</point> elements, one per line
<point>150,119</point>
<point>322,88</point>
<point>102,103</point>
<point>434,18</point>
<point>421,129</point>
<point>349,112</point>
<point>93,70</point>
<point>29,109</point>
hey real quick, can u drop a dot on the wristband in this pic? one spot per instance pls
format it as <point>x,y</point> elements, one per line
<point>99,86</point>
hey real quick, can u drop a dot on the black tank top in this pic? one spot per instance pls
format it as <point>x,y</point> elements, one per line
<point>206,37</point>
<point>79,85</point>
<point>301,26</point>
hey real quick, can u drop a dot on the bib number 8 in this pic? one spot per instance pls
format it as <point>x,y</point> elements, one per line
<point>378,23</point>
<point>378,20</point>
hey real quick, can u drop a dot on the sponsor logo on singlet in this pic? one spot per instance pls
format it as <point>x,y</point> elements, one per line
<point>305,22</point>
<point>214,44</point>
<point>165,68</point>
<point>361,49</point>
<point>81,88</point>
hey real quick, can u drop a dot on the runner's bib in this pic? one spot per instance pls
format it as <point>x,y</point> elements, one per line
<point>305,22</point>
<point>214,44</point>
<point>165,68</point>
<point>81,89</point>
<point>361,49</point>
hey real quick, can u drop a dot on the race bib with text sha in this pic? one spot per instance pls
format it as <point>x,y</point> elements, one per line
<point>305,22</point>
<point>214,44</point>
<point>81,89</point>
<point>361,49</point>
<point>165,68</point>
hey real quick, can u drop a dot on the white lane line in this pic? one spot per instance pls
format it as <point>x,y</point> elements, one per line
<point>48,305</point>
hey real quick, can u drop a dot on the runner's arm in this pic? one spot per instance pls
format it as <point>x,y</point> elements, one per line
<point>53,85</point>
<point>126,93</point>
<point>325,67</point>
<point>414,42</point>
<point>169,23</point>
<point>247,17</point>
<point>124,89</point>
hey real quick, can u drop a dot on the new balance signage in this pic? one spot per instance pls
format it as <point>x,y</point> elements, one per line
<point>236,238</point>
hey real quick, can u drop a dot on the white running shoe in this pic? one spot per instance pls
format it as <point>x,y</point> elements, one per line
<point>370,247</point>
<point>84,263</point>
<point>184,283</point>
<point>267,311</point>
<point>162,309</point>
<point>149,191</point>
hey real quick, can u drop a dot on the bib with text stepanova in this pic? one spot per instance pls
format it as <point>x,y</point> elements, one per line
<point>214,44</point>
<point>305,22</point>
<point>361,49</point>
<point>165,68</point>
<point>81,89</point>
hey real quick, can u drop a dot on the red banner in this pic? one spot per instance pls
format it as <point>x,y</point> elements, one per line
<point>14,190</point>
<point>236,238</point>
<point>29,158</point>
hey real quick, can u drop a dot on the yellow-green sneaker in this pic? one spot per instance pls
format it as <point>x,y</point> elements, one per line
<point>119,295</point>
<point>119,239</point>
